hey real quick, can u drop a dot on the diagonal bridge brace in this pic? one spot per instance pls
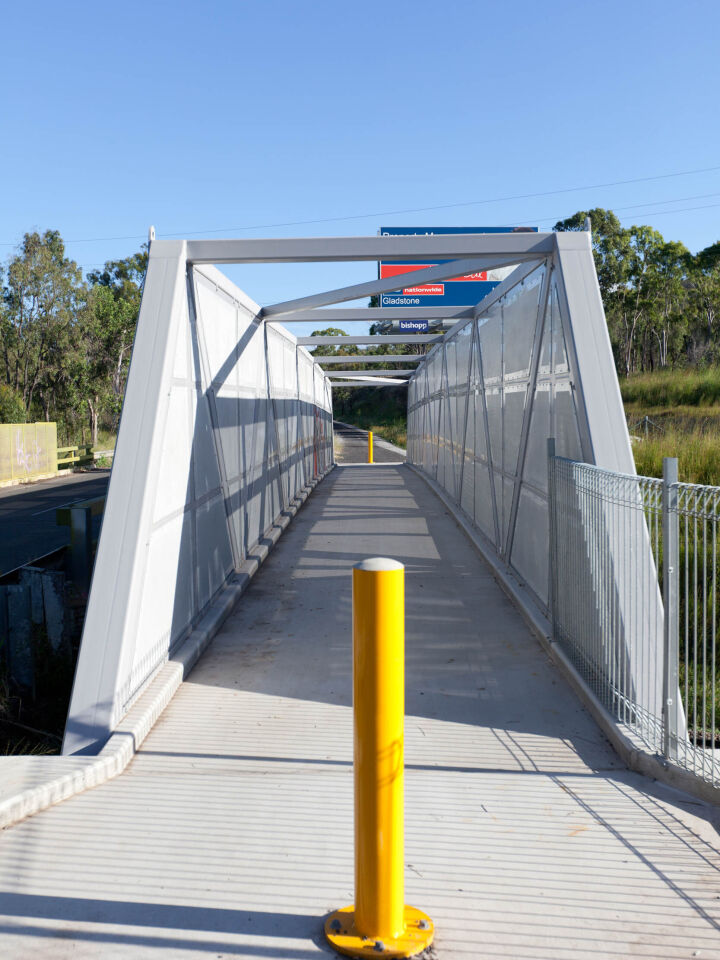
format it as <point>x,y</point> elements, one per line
<point>413,278</point>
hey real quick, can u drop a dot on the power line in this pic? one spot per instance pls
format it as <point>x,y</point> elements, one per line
<point>651,213</point>
<point>556,219</point>
<point>394,213</point>
<point>449,206</point>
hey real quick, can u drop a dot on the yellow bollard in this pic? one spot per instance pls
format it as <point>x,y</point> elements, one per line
<point>379,923</point>
<point>370,447</point>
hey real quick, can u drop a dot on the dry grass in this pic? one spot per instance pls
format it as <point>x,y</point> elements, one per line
<point>694,440</point>
<point>684,407</point>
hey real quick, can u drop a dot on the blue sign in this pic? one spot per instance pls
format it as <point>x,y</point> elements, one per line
<point>413,326</point>
<point>459,292</point>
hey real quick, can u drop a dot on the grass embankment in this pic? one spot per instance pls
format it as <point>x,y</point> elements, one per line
<point>683,411</point>
<point>394,431</point>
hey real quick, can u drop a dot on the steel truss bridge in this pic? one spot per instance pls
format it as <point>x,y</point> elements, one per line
<point>211,708</point>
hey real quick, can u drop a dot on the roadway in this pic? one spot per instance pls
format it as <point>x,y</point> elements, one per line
<point>230,833</point>
<point>351,446</point>
<point>27,515</point>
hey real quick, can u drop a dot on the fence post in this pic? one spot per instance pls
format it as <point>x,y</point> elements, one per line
<point>671,632</point>
<point>551,530</point>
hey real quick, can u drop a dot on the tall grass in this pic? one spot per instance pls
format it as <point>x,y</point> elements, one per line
<point>683,411</point>
<point>392,430</point>
<point>697,450</point>
<point>672,388</point>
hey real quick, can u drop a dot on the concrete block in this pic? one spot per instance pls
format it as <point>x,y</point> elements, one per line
<point>19,615</point>
<point>53,583</point>
<point>32,578</point>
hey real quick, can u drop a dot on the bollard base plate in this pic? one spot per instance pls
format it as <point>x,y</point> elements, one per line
<point>344,936</point>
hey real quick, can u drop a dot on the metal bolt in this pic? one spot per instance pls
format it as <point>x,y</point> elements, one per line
<point>379,946</point>
<point>335,925</point>
<point>423,924</point>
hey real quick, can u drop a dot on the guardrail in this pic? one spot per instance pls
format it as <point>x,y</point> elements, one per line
<point>616,543</point>
<point>75,458</point>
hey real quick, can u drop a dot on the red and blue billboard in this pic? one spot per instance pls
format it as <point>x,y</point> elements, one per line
<point>458,292</point>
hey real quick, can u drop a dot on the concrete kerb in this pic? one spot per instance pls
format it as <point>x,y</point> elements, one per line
<point>142,716</point>
<point>634,757</point>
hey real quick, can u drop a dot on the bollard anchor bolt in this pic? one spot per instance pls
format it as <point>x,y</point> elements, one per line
<point>417,934</point>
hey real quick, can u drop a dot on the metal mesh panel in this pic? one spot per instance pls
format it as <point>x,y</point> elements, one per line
<point>696,510</point>
<point>618,544</point>
<point>225,421</point>
<point>468,416</point>
<point>605,588</point>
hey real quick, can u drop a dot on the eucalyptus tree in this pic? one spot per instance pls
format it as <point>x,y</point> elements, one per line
<point>42,292</point>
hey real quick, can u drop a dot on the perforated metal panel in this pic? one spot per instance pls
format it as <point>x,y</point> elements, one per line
<point>225,421</point>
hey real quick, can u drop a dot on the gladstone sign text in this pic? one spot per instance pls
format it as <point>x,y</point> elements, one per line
<point>458,292</point>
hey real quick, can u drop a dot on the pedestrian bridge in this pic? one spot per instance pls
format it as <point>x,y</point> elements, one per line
<point>212,702</point>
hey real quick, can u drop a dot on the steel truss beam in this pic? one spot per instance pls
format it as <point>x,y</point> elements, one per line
<point>371,288</point>
<point>496,246</point>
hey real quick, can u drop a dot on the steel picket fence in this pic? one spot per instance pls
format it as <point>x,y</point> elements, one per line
<point>633,603</point>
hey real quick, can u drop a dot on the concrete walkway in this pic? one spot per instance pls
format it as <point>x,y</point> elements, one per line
<point>351,446</point>
<point>230,834</point>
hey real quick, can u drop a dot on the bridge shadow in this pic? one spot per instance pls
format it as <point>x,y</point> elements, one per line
<point>111,920</point>
<point>469,656</point>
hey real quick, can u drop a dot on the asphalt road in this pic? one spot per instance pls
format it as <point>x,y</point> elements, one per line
<point>351,446</point>
<point>27,515</point>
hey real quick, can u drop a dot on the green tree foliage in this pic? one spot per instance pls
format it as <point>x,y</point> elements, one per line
<point>326,350</point>
<point>661,302</point>
<point>65,343</point>
<point>41,297</point>
<point>12,408</point>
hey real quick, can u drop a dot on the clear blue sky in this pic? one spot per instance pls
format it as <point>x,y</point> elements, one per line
<point>220,116</point>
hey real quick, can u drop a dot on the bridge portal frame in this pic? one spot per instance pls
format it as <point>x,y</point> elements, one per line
<point>104,689</point>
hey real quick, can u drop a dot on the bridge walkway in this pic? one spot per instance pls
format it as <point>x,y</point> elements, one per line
<point>230,834</point>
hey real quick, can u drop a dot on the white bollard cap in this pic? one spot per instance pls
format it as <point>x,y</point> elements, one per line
<point>377,564</point>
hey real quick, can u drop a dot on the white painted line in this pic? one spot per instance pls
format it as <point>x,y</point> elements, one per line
<point>59,506</point>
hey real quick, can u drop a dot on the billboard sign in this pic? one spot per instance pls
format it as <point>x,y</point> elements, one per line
<point>458,292</point>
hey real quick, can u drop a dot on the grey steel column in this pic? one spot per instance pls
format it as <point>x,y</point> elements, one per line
<point>670,566</point>
<point>81,547</point>
<point>552,531</point>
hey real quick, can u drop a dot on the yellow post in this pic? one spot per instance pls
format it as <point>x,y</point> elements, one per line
<point>379,923</point>
<point>370,446</point>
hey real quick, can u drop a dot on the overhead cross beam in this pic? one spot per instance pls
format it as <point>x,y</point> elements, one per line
<point>497,246</point>
<point>374,358</point>
<point>373,314</point>
<point>347,341</point>
<point>350,374</point>
<point>368,383</point>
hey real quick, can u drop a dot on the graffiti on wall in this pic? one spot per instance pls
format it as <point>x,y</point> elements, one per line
<point>27,450</point>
